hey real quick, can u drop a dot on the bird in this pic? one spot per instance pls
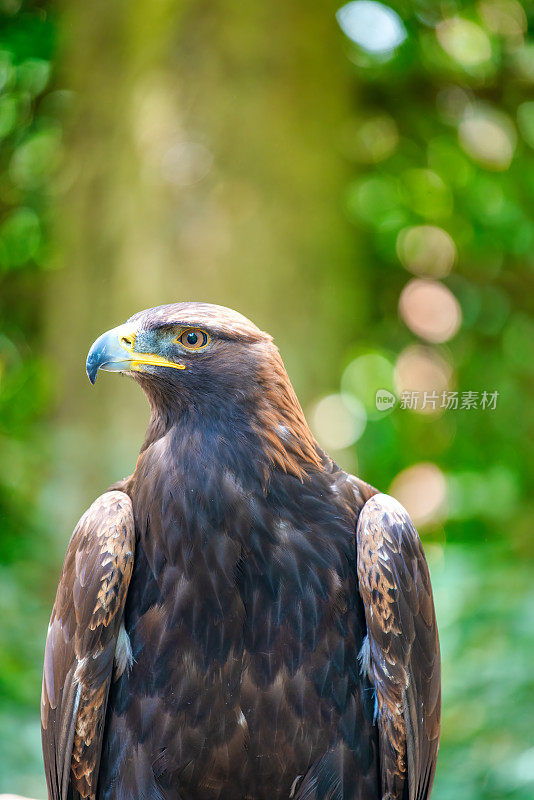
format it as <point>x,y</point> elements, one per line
<point>240,618</point>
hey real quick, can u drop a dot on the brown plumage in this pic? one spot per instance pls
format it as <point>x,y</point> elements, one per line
<point>403,646</point>
<point>81,643</point>
<point>239,618</point>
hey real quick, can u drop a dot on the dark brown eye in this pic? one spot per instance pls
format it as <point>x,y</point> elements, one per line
<point>194,339</point>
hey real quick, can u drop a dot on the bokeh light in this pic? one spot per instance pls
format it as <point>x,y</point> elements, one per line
<point>451,102</point>
<point>36,159</point>
<point>422,490</point>
<point>373,26</point>
<point>337,421</point>
<point>426,250</point>
<point>464,41</point>
<point>371,140</point>
<point>427,194</point>
<point>364,376</point>
<point>421,369</point>
<point>430,310</point>
<point>506,18</point>
<point>375,200</point>
<point>488,136</point>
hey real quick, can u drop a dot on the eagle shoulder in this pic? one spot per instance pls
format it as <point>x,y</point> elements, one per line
<point>81,644</point>
<point>401,651</point>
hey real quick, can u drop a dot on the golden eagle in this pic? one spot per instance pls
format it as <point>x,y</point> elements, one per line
<point>239,619</point>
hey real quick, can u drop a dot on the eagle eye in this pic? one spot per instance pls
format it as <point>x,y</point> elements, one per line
<point>193,339</point>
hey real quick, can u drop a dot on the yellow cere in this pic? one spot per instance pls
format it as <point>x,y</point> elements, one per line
<point>154,360</point>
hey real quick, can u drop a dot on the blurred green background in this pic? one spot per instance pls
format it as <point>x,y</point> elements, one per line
<point>359,180</point>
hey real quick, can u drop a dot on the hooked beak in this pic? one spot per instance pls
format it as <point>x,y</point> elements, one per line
<point>114,352</point>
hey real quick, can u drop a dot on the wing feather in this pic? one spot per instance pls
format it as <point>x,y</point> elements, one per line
<point>81,642</point>
<point>403,644</point>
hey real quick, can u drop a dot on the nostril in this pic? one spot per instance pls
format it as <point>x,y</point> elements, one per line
<point>127,341</point>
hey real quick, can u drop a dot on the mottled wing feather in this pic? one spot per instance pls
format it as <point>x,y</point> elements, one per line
<point>80,645</point>
<point>402,651</point>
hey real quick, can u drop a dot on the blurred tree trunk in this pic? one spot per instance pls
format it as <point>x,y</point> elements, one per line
<point>202,164</point>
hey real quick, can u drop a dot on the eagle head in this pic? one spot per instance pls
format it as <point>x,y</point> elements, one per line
<point>186,344</point>
<point>213,359</point>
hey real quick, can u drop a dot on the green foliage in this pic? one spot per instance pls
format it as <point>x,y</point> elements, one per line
<point>28,149</point>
